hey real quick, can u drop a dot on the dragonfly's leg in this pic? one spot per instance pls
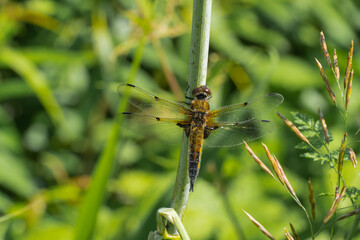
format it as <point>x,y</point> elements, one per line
<point>206,133</point>
<point>186,128</point>
<point>186,103</point>
<point>208,130</point>
<point>190,98</point>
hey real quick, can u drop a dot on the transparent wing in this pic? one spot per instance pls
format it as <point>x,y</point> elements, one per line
<point>152,127</point>
<point>153,105</point>
<point>233,124</point>
<point>155,117</point>
<point>233,134</point>
<point>242,112</point>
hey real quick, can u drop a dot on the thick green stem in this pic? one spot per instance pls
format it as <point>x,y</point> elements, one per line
<point>199,50</point>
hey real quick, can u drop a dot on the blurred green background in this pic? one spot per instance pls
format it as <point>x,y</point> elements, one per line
<point>60,65</point>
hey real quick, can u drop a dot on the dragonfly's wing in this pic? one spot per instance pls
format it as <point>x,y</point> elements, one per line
<point>153,105</point>
<point>233,134</point>
<point>155,117</point>
<point>233,124</point>
<point>254,109</point>
<point>148,126</point>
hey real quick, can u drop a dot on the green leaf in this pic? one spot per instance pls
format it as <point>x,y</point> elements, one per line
<point>35,79</point>
<point>315,156</point>
<point>15,176</point>
<point>303,120</point>
<point>354,193</point>
<point>93,199</point>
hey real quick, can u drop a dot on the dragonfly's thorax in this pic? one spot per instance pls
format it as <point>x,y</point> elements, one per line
<point>200,108</point>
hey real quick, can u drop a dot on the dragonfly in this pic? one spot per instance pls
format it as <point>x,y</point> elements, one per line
<point>226,126</point>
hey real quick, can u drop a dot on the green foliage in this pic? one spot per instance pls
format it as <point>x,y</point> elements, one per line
<point>67,169</point>
<point>316,142</point>
<point>318,148</point>
<point>312,130</point>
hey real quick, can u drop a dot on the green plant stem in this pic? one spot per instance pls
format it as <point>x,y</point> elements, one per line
<point>231,213</point>
<point>36,81</point>
<point>353,228</point>
<point>182,184</point>
<point>199,50</point>
<point>307,215</point>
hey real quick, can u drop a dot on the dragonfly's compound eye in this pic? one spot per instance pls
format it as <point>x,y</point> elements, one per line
<point>202,92</point>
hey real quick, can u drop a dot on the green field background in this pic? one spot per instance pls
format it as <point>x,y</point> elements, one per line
<point>60,65</point>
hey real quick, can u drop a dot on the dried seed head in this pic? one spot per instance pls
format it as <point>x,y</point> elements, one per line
<point>261,227</point>
<point>284,177</point>
<point>336,66</point>
<point>348,89</point>
<point>326,81</point>
<point>287,235</point>
<point>323,125</point>
<point>341,153</point>
<point>296,236</point>
<point>293,128</point>
<point>279,171</point>
<point>275,164</point>
<point>334,205</point>
<point>324,48</point>
<point>262,165</point>
<point>353,157</point>
<point>311,199</point>
<point>348,65</point>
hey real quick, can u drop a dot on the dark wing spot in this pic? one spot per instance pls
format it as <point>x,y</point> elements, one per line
<point>156,98</point>
<point>127,113</point>
<point>272,94</point>
<point>265,121</point>
<point>130,85</point>
<point>157,118</point>
<point>245,103</point>
<point>236,123</point>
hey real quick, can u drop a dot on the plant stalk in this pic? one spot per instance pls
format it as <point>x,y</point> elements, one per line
<point>354,227</point>
<point>199,50</point>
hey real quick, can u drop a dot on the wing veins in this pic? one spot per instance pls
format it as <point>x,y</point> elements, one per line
<point>159,107</point>
<point>247,111</point>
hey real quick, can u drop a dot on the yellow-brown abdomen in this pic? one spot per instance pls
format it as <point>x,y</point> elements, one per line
<point>196,138</point>
<point>195,150</point>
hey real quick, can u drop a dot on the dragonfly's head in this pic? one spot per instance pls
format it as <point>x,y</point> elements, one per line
<point>202,93</point>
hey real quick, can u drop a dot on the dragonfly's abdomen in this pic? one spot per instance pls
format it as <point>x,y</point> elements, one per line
<point>195,150</point>
<point>200,109</point>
